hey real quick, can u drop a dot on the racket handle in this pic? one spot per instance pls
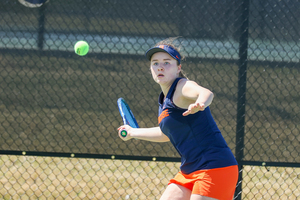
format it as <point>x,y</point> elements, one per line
<point>123,133</point>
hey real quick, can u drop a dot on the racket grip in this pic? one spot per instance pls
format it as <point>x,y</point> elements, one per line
<point>123,133</point>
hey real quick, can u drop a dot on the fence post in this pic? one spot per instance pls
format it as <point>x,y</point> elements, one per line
<point>41,28</point>
<point>242,80</point>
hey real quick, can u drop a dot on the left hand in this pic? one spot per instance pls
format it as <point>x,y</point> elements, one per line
<point>193,108</point>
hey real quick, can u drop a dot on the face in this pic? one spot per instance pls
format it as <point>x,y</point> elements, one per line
<point>164,68</point>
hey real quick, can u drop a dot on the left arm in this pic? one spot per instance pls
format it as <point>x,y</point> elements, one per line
<point>192,96</point>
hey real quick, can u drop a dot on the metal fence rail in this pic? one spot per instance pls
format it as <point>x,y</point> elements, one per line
<point>59,115</point>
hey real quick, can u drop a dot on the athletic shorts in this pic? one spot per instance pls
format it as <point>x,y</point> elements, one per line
<point>219,183</point>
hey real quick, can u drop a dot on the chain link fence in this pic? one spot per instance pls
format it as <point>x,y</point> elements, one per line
<point>59,114</point>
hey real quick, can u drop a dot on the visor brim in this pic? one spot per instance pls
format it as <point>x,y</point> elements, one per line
<point>154,50</point>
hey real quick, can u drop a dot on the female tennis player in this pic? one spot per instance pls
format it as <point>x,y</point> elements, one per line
<point>208,168</point>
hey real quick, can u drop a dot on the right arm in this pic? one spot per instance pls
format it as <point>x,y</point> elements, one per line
<point>149,134</point>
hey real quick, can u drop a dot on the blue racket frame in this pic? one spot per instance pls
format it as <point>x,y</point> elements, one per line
<point>127,116</point>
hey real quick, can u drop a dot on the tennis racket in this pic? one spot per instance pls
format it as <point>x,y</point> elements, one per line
<point>127,116</point>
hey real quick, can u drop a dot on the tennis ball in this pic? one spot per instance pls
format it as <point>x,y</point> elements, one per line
<point>81,48</point>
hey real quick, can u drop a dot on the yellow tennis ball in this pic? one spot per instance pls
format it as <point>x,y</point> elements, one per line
<point>81,48</point>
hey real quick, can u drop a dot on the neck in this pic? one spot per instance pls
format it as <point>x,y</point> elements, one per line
<point>166,87</point>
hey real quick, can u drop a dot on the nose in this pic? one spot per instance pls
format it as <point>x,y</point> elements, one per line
<point>160,67</point>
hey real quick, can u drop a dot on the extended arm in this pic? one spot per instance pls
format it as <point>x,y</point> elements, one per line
<point>149,134</point>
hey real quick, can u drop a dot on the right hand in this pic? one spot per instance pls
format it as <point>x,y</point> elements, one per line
<point>128,129</point>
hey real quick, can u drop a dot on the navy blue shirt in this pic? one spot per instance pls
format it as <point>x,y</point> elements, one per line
<point>196,137</point>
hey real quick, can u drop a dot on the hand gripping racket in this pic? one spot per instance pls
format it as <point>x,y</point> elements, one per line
<point>127,116</point>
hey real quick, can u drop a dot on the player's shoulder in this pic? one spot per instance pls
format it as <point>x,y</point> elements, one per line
<point>186,83</point>
<point>185,93</point>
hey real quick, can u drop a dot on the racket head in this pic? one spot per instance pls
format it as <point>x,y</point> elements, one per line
<point>126,114</point>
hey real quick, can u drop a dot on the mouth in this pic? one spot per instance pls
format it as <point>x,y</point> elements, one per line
<point>160,75</point>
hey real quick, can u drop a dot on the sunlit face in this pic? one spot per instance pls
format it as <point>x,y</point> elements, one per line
<point>164,68</point>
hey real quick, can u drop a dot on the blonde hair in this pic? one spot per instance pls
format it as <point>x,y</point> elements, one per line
<point>171,42</point>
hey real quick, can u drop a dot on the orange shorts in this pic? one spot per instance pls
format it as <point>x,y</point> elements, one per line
<point>216,183</point>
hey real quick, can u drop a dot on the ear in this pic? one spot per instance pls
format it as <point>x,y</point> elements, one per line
<point>179,68</point>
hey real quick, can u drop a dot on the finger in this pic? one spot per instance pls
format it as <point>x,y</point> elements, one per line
<point>186,113</point>
<point>202,106</point>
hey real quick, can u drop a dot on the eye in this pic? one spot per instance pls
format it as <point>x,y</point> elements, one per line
<point>155,64</point>
<point>166,63</point>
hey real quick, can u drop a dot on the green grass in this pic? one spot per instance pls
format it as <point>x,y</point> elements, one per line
<point>270,183</point>
<point>65,178</point>
<point>28,177</point>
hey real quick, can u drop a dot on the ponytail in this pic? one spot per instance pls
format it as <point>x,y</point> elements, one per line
<point>182,74</point>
